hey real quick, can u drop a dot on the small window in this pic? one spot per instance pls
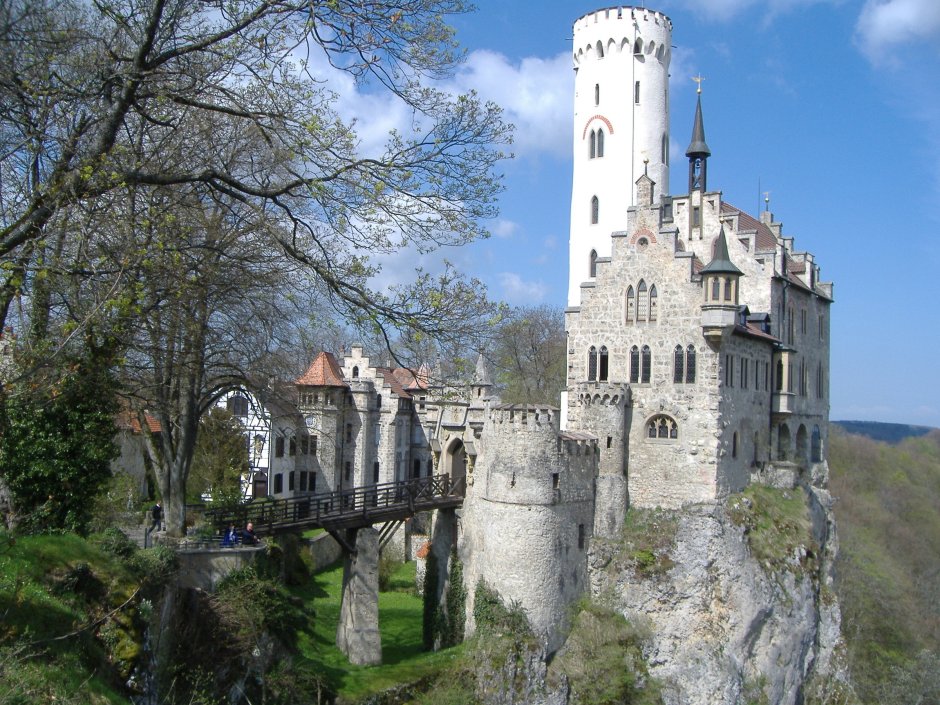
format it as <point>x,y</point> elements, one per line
<point>595,210</point>
<point>729,370</point>
<point>779,384</point>
<point>727,288</point>
<point>646,364</point>
<point>592,149</point>
<point>581,535</point>
<point>662,428</point>
<point>592,364</point>
<point>278,483</point>
<point>610,440</point>
<point>716,289</point>
<point>690,365</point>
<point>638,47</point>
<point>375,472</point>
<point>636,92</point>
<point>555,480</point>
<point>734,445</point>
<point>592,264</point>
<point>631,305</point>
<point>642,301</point>
<point>664,158</point>
<point>355,372</point>
<point>602,366</point>
<point>654,301</point>
<point>600,143</point>
<point>634,364</point>
<point>597,94</point>
<point>696,216</point>
<point>279,447</point>
<point>290,481</point>
<point>678,373</point>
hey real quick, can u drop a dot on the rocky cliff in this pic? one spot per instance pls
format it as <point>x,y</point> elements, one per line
<point>736,596</point>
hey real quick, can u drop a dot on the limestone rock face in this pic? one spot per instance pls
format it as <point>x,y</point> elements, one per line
<point>723,627</point>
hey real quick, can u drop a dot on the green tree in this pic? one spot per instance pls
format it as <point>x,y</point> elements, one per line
<point>220,459</point>
<point>57,442</point>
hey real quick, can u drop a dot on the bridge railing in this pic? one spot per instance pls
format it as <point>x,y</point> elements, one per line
<point>320,509</point>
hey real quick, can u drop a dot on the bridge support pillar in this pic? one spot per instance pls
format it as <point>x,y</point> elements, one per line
<point>443,542</point>
<point>357,635</point>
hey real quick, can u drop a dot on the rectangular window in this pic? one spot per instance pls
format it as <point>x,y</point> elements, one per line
<point>555,480</point>
<point>790,377</point>
<point>744,373</point>
<point>729,370</point>
<point>279,447</point>
<point>303,481</point>
<point>697,218</point>
<point>803,321</point>
<point>278,483</point>
<point>290,481</point>
<point>636,92</point>
<point>580,535</point>
<point>375,471</point>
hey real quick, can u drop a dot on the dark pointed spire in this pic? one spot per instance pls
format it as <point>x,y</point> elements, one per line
<point>698,148</point>
<point>721,263</point>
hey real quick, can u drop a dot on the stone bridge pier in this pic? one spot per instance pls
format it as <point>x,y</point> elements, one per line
<point>358,635</point>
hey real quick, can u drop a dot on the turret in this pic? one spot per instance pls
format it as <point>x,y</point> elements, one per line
<point>720,282</point>
<point>698,151</point>
<point>621,120</point>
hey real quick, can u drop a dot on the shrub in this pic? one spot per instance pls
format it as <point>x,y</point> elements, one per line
<point>777,526</point>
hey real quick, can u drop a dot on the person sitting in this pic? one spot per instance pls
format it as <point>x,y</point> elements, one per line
<point>230,537</point>
<point>248,535</point>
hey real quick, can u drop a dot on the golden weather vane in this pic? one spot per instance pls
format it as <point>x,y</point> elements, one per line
<point>698,79</point>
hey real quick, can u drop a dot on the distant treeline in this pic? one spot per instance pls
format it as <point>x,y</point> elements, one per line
<point>887,432</point>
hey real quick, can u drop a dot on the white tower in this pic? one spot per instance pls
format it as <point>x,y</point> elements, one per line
<point>621,126</point>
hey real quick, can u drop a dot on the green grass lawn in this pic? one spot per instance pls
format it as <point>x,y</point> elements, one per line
<point>400,615</point>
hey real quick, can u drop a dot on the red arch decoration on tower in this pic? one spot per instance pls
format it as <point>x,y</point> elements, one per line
<point>610,128</point>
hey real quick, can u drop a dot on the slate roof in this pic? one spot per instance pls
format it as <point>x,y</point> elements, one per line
<point>765,238</point>
<point>324,371</point>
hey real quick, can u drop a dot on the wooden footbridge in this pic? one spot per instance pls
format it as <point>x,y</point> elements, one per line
<point>354,508</point>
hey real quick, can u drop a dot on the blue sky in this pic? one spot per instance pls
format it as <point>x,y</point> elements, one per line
<point>831,106</point>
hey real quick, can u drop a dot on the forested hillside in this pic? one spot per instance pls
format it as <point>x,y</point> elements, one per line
<point>887,499</point>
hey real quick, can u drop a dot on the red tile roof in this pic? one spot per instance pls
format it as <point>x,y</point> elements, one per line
<point>765,238</point>
<point>324,371</point>
<point>126,420</point>
<point>392,381</point>
<point>753,331</point>
<point>411,380</point>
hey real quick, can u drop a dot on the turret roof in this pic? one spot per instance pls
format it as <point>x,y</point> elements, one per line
<point>698,148</point>
<point>721,263</point>
<point>324,371</point>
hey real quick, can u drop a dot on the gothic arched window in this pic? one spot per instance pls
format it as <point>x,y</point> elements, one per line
<point>631,305</point>
<point>597,94</point>
<point>602,367</point>
<point>716,289</point>
<point>593,150</point>
<point>678,372</point>
<point>592,264</point>
<point>634,364</point>
<point>595,210</point>
<point>600,143</point>
<point>662,427</point>
<point>727,288</point>
<point>690,365</point>
<point>645,361</point>
<point>642,301</point>
<point>592,364</point>
<point>816,446</point>
<point>653,302</point>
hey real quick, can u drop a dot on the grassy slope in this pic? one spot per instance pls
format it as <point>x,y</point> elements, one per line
<point>39,605</point>
<point>889,525</point>
<point>400,615</point>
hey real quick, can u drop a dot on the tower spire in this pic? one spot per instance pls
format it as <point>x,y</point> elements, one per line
<point>698,151</point>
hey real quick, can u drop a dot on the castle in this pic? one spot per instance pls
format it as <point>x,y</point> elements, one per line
<point>697,359</point>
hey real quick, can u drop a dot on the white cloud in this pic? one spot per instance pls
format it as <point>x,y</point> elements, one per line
<point>504,228</point>
<point>883,24</point>
<point>517,291</point>
<point>535,95</point>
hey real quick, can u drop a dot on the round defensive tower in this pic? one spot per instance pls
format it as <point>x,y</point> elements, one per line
<point>621,125</point>
<point>528,518</point>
